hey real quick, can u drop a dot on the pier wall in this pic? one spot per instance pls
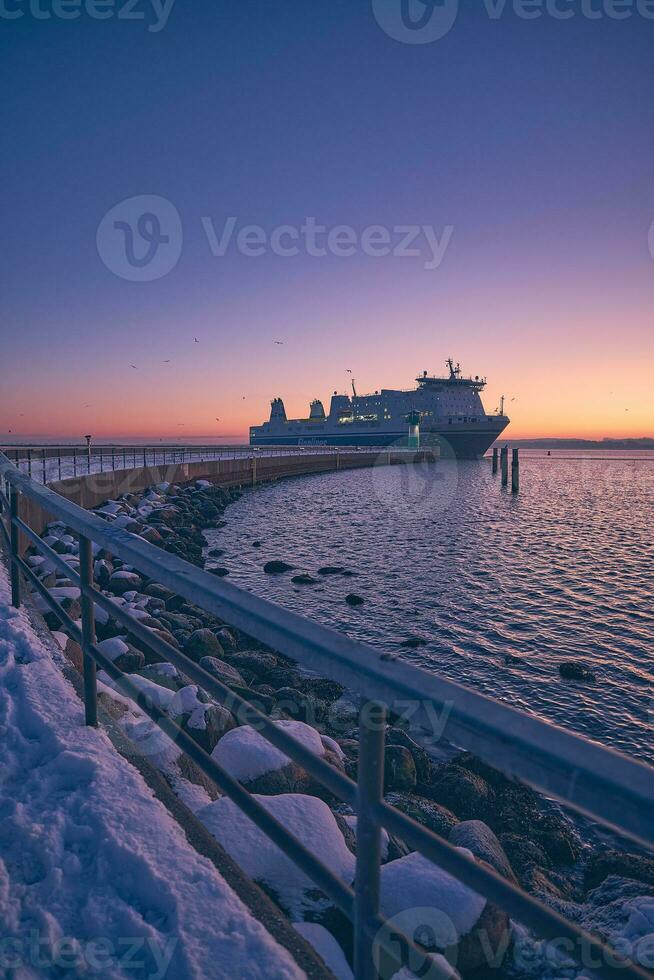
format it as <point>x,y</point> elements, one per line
<point>91,490</point>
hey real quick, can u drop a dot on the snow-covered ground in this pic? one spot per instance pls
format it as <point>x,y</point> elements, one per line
<point>96,878</point>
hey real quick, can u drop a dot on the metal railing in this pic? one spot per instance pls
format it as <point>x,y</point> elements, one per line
<point>596,781</point>
<point>48,464</point>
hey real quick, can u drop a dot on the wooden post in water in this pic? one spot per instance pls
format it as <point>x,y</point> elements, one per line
<point>515,471</point>
<point>504,459</point>
<point>495,460</point>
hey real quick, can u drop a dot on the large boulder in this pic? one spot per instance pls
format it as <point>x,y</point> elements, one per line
<point>277,567</point>
<point>426,812</point>
<point>202,643</point>
<point>465,793</point>
<point>523,853</point>
<point>224,672</point>
<point>256,661</point>
<point>607,861</point>
<point>208,723</point>
<point>443,915</point>
<point>126,657</point>
<point>248,756</point>
<point>124,581</point>
<point>307,818</point>
<point>478,838</point>
<point>298,705</point>
<point>422,761</point>
<point>576,670</point>
<point>399,768</point>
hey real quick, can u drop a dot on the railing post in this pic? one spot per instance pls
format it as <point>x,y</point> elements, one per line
<point>59,462</point>
<point>13,538</point>
<point>370,790</point>
<point>88,632</point>
<point>29,462</point>
<point>495,459</point>
<point>45,478</point>
<point>74,462</point>
<point>254,471</point>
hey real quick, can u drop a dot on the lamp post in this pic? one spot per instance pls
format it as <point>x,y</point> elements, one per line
<point>88,450</point>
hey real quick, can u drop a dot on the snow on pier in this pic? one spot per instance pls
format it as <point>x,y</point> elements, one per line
<point>96,878</point>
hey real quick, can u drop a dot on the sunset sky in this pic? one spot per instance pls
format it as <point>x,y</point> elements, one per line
<point>532,139</point>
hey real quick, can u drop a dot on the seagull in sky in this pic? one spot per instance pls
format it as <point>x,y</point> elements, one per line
<point>195,339</point>
<point>280,342</point>
<point>166,362</point>
<point>134,366</point>
<point>348,370</point>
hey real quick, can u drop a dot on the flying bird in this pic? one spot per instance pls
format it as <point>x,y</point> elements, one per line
<point>134,366</point>
<point>348,370</point>
<point>280,342</point>
<point>166,362</point>
<point>196,340</point>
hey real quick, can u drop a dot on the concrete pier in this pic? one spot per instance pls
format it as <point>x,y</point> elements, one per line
<point>91,490</point>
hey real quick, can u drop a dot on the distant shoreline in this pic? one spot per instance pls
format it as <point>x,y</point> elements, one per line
<point>642,443</point>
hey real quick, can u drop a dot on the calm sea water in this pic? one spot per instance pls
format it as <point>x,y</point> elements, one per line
<point>564,570</point>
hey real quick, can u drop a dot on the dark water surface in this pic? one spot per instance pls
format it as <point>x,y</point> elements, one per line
<point>563,571</point>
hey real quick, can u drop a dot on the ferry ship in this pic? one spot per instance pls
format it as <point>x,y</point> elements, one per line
<point>445,412</point>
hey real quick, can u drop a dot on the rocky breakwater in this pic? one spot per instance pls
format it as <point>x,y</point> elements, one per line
<point>493,819</point>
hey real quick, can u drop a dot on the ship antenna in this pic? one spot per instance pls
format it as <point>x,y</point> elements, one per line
<point>502,404</point>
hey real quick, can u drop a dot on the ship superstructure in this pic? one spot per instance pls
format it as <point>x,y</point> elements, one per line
<point>449,409</point>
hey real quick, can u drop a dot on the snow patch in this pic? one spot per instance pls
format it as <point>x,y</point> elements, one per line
<point>246,754</point>
<point>308,819</point>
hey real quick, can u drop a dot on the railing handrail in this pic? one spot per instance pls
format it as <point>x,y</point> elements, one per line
<point>597,781</point>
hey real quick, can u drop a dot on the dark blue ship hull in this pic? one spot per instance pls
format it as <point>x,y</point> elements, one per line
<point>457,440</point>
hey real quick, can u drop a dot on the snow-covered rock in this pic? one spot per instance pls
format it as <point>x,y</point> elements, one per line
<point>307,818</point>
<point>441,913</point>
<point>248,756</point>
<point>326,947</point>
